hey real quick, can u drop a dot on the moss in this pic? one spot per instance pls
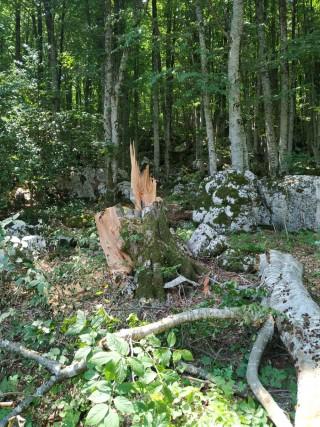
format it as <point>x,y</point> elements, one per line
<point>224,191</point>
<point>223,219</point>
<point>237,178</point>
<point>156,254</point>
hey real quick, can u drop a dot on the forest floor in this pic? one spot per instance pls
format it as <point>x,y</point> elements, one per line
<point>73,276</point>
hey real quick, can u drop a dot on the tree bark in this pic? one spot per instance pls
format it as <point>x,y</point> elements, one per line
<point>299,328</point>
<point>284,101</point>
<point>169,84</point>
<point>267,95</point>
<point>292,77</point>
<point>155,87</point>
<point>236,132</point>
<point>17,12</point>
<point>205,94</point>
<point>52,52</point>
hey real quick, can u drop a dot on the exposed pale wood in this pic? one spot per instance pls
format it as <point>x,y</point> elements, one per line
<point>144,187</point>
<point>299,329</point>
<point>108,225</point>
<point>275,413</point>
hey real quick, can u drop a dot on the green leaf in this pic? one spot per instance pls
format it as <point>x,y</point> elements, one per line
<point>79,324</point>
<point>117,344</point>
<point>176,356</point>
<point>112,419</point>
<point>82,353</point>
<point>121,371</point>
<point>99,397</point>
<point>97,414</point>
<point>171,339</point>
<point>148,377</point>
<point>163,355</point>
<point>123,405</point>
<point>103,357</point>
<point>136,366</point>
<point>187,355</point>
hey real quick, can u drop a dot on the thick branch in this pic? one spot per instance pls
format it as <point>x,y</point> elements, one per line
<point>275,413</point>
<point>178,319</point>
<point>60,374</point>
<point>52,366</point>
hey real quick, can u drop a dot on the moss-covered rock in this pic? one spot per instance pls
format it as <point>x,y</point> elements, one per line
<point>235,260</point>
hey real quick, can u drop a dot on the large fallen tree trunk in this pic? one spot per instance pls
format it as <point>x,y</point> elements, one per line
<point>299,328</point>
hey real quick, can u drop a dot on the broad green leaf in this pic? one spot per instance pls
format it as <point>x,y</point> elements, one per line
<point>103,357</point>
<point>171,339</point>
<point>121,371</point>
<point>82,353</point>
<point>117,344</point>
<point>79,324</point>
<point>136,366</point>
<point>187,355</point>
<point>112,419</point>
<point>99,397</point>
<point>148,377</point>
<point>176,356</point>
<point>163,355</point>
<point>123,405</point>
<point>97,414</point>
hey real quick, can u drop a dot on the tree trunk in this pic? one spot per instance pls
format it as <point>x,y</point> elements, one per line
<point>292,74</point>
<point>205,94</point>
<point>284,104</point>
<point>236,131</point>
<point>52,52</point>
<point>17,13</point>
<point>169,86</point>
<point>155,87</point>
<point>266,90</point>
<point>299,329</point>
<point>142,240</point>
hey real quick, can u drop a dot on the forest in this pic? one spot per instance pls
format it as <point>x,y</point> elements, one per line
<point>159,213</point>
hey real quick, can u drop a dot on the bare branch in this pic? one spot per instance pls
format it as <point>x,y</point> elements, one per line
<point>275,413</point>
<point>179,319</point>
<point>52,366</point>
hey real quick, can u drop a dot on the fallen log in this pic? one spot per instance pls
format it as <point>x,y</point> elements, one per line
<point>299,328</point>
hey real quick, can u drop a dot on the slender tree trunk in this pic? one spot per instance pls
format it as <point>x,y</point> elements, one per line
<point>39,42</point>
<point>205,94</point>
<point>108,76</point>
<point>155,87</point>
<point>237,137</point>
<point>266,91</point>
<point>169,86</point>
<point>52,52</point>
<point>284,103</point>
<point>61,42</point>
<point>17,12</point>
<point>292,97</point>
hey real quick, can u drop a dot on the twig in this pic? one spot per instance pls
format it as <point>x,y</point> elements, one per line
<point>275,413</point>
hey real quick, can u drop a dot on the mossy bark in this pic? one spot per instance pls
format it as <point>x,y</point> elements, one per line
<point>156,254</point>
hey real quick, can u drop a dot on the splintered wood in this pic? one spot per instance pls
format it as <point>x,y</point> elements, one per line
<point>144,187</point>
<point>108,225</point>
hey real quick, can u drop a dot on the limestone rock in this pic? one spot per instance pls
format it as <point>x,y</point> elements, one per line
<point>233,260</point>
<point>292,203</point>
<point>86,183</point>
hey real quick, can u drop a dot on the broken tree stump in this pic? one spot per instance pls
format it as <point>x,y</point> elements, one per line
<point>142,241</point>
<point>156,254</point>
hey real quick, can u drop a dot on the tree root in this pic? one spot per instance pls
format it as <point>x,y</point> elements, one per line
<point>275,413</point>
